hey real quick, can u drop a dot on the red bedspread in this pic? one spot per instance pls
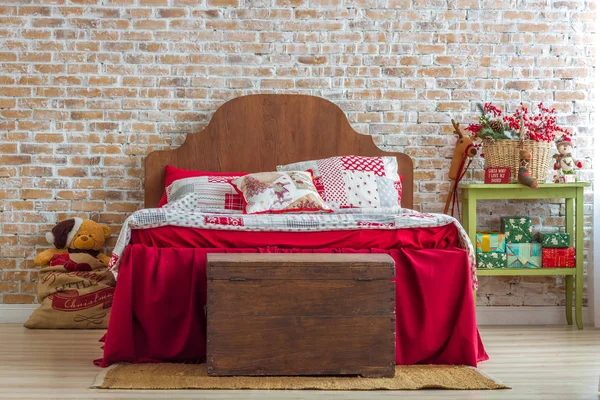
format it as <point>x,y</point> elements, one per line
<point>158,309</point>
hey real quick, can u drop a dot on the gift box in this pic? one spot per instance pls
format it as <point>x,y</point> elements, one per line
<point>491,242</point>
<point>491,260</point>
<point>558,258</point>
<point>517,230</point>
<point>560,178</point>
<point>555,240</point>
<point>524,255</point>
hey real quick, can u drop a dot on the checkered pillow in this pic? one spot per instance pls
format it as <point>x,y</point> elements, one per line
<point>207,192</point>
<point>354,181</point>
<point>173,174</point>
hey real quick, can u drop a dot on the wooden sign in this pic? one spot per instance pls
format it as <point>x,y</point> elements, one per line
<point>497,175</point>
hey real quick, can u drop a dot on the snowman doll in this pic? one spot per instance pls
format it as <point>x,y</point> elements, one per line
<point>564,161</point>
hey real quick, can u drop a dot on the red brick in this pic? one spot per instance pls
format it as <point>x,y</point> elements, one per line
<point>87,183</point>
<point>8,193</point>
<point>86,115</point>
<point>150,24</point>
<point>312,60</point>
<point>36,194</point>
<point>571,72</point>
<point>87,205</point>
<point>47,22</point>
<point>18,298</point>
<point>171,12</point>
<point>223,3</point>
<point>7,287</point>
<point>23,229</point>
<point>29,287</point>
<point>14,159</point>
<point>7,264</point>
<point>534,27</point>
<point>521,85</point>
<point>14,92</point>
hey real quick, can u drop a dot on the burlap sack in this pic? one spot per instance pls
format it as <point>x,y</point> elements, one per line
<point>75,291</point>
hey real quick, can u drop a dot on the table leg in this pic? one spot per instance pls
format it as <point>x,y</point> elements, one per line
<point>569,228</point>
<point>579,258</point>
<point>471,220</point>
<point>469,223</point>
<point>569,298</point>
<point>465,214</point>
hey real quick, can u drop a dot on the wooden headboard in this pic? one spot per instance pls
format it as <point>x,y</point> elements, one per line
<point>258,132</point>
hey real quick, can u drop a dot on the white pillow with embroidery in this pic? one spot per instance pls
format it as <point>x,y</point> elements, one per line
<point>278,192</point>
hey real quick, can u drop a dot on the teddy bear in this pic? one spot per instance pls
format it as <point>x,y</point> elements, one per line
<point>75,235</point>
<point>565,163</point>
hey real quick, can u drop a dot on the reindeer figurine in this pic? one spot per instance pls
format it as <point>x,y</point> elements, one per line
<point>463,150</point>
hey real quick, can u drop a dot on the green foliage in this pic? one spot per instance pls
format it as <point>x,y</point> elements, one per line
<point>488,133</point>
<point>481,109</point>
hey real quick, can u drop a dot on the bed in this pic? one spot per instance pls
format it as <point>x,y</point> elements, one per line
<point>160,256</point>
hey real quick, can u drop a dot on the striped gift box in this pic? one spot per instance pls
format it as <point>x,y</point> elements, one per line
<point>491,242</point>
<point>558,258</point>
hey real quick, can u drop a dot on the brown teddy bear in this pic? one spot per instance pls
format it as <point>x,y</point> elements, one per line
<point>75,235</point>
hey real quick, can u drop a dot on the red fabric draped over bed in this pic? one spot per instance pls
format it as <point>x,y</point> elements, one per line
<point>158,310</point>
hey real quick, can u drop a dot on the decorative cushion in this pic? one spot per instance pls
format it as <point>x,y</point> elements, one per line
<point>205,193</point>
<point>173,174</point>
<point>354,181</point>
<point>277,192</point>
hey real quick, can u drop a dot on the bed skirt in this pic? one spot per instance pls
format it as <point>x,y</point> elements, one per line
<point>158,310</point>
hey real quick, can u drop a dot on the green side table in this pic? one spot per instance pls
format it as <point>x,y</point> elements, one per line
<point>572,193</point>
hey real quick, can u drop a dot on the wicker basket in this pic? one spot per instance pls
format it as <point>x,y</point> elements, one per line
<point>505,153</point>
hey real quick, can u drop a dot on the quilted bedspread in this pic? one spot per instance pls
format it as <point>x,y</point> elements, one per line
<point>351,219</point>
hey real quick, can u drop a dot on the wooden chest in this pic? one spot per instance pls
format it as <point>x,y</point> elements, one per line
<point>301,314</point>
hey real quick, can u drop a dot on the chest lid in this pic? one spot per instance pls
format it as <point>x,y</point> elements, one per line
<point>313,266</point>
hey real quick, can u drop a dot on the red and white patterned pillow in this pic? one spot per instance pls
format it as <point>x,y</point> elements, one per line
<point>354,181</point>
<point>173,174</point>
<point>205,192</point>
<point>279,192</point>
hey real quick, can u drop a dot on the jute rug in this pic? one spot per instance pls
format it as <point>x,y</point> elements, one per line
<point>193,376</point>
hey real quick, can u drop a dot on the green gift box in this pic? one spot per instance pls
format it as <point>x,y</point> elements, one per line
<point>491,260</point>
<point>555,240</point>
<point>524,255</point>
<point>517,230</point>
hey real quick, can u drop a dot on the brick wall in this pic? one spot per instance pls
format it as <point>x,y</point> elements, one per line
<point>87,90</point>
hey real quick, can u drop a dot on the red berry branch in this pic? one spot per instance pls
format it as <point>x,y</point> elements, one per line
<point>538,127</point>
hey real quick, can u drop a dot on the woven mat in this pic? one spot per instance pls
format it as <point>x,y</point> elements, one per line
<point>193,376</point>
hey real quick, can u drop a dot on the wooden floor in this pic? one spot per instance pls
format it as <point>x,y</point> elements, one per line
<point>538,362</point>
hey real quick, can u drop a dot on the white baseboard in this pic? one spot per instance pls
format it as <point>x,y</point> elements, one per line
<point>553,315</point>
<point>16,313</point>
<point>486,315</point>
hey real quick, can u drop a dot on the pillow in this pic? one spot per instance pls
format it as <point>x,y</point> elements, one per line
<point>205,193</point>
<point>353,181</point>
<point>278,192</point>
<point>173,174</point>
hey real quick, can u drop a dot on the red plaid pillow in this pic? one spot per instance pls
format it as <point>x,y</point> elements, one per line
<point>173,174</point>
